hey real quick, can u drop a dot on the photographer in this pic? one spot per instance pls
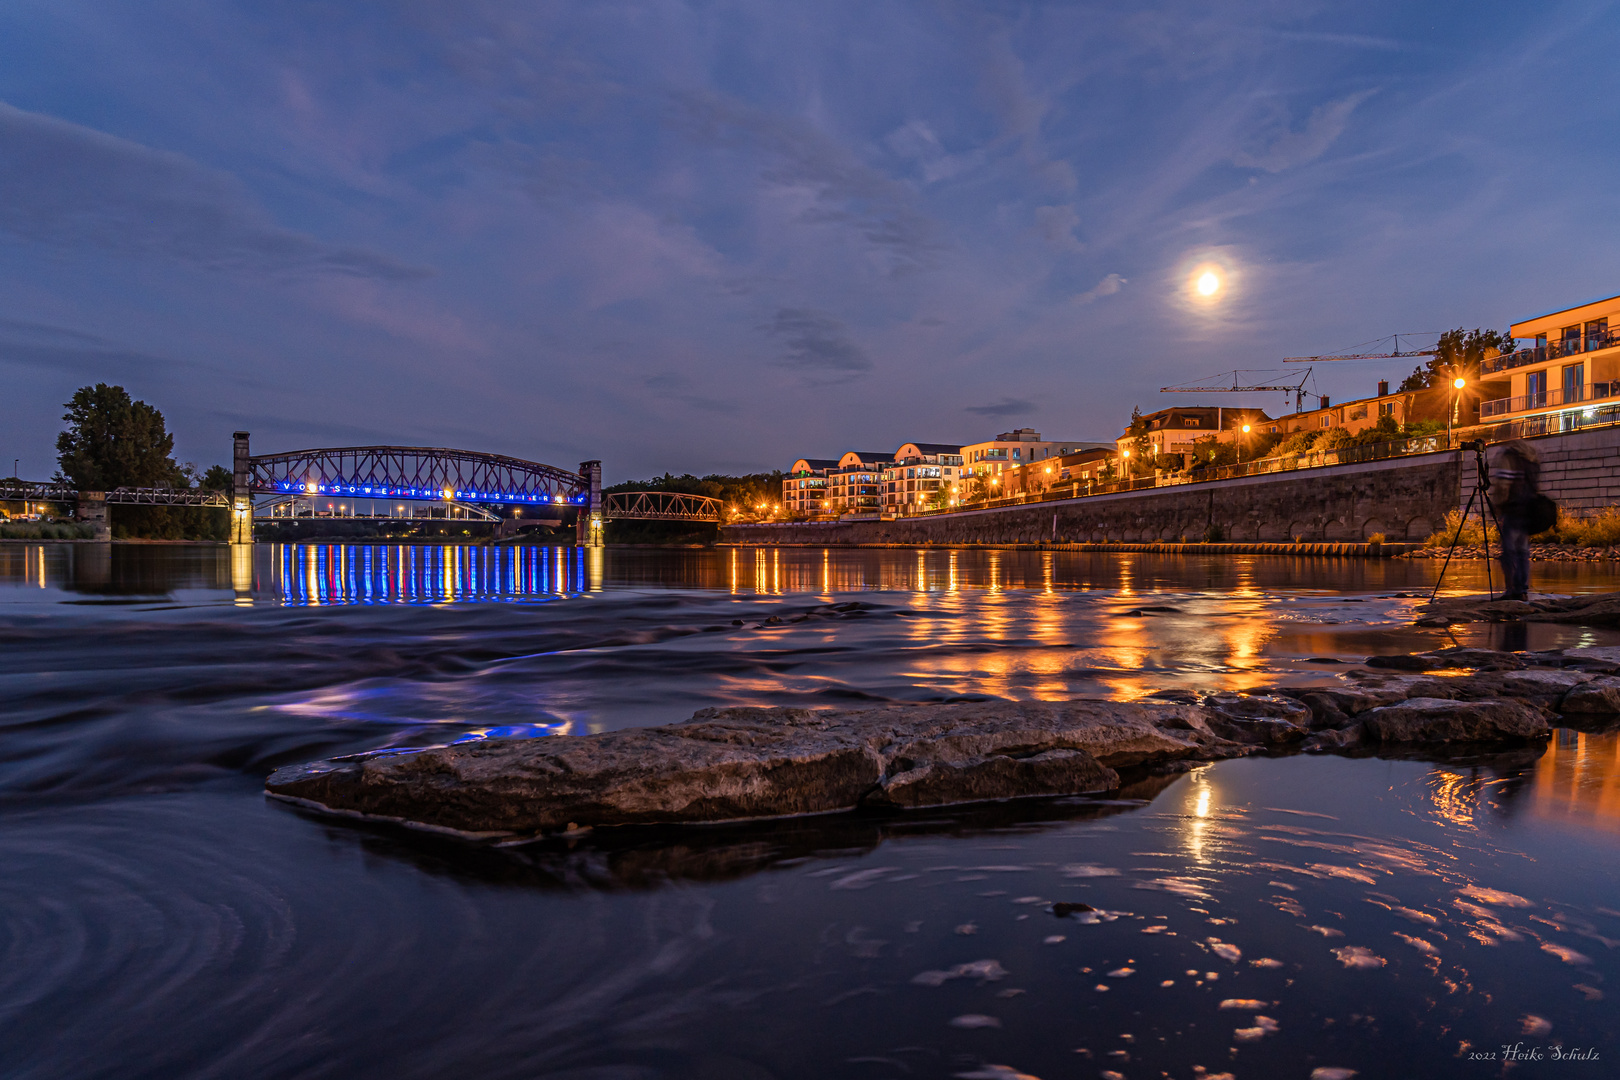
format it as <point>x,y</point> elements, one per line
<point>1521,510</point>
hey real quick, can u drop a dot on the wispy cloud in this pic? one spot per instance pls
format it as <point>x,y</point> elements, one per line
<point>1293,148</point>
<point>674,386</point>
<point>71,186</point>
<point>798,156</point>
<point>815,341</point>
<point>1108,286</point>
<point>1005,407</point>
<point>1056,224</point>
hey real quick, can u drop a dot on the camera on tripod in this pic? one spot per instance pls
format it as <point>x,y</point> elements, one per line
<point>1476,445</point>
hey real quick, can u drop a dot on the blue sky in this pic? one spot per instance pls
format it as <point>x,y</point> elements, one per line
<point>719,236</point>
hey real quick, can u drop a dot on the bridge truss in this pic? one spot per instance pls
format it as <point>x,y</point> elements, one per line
<point>659,506</point>
<point>123,496</point>
<point>415,472</point>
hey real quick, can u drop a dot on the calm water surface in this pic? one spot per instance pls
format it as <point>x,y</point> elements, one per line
<point>1259,917</point>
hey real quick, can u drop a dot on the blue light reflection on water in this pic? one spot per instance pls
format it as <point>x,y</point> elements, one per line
<point>324,574</point>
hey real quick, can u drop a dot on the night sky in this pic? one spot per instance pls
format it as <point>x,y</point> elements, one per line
<point>719,236</point>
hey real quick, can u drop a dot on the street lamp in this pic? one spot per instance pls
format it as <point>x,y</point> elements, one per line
<point>1241,442</point>
<point>1457,387</point>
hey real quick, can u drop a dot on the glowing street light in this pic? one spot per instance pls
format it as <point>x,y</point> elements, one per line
<point>1457,389</point>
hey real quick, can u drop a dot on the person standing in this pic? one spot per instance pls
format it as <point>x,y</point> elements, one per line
<point>1516,496</point>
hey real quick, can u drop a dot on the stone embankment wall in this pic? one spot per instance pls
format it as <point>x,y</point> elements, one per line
<point>1581,470</point>
<point>1404,499</point>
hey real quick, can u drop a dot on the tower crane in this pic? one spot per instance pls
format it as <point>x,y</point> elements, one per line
<point>1217,384</point>
<point>1396,352</point>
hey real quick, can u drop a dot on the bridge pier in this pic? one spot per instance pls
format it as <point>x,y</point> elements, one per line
<point>241,492</point>
<point>92,511</point>
<point>588,526</point>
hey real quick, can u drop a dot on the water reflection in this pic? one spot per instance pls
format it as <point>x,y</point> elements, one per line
<point>1578,780</point>
<point>317,574</point>
<point>392,573</point>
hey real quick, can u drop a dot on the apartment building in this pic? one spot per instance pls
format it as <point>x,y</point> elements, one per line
<point>920,471</point>
<point>1019,447</point>
<point>804,489</point>
<point>1571,364</point>
<point>855,486</point>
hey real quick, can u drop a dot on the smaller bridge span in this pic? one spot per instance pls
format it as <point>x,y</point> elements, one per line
<point>659,506</point>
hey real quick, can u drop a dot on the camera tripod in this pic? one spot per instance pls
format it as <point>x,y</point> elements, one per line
<point>1482,493</point>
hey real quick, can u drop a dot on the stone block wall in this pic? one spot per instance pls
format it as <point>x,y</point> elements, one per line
<point>1581,469</point>
<point>1404,499</point>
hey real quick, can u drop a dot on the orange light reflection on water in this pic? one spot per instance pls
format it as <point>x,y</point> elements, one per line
<point>1578,780</point>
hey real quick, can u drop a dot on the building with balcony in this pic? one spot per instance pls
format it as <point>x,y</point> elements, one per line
<point>1019,447</point>
<point>855,486</point>
<point>919,473</point>
<point>1569,372</point>
<point>804,489</point>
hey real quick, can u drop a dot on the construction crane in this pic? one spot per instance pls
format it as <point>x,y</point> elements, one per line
<point>1240,386</point>
<point>1394,353</point>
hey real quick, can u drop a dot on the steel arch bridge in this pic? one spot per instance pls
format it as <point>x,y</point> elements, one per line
<point>659,506</point>
<point>416,472</point>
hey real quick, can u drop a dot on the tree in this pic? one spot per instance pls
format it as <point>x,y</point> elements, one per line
<point>112,441</point>
<point>1141,448</point>
<point>217,478</point>
<point>1457,354</point>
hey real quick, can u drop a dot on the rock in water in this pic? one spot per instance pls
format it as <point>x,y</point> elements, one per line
<point>1427,720</point>
<point>1600,696</point>
<point>730,764</point>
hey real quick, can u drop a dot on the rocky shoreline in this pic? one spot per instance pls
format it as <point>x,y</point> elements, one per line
<point>741,764</point>
<point>1538,553</point>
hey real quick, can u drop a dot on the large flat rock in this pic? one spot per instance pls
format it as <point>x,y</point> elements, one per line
<point>1589,609</point>
<point>1430,720</point>
<point>732,764</point>
<point>741,764</point>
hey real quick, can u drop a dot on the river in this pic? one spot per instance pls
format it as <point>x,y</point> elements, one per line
<point>1263,917</point>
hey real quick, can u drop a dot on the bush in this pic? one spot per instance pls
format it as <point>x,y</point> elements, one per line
<point>28,530</point>
<point>1300,442</point>
<point>1470,536</point>
<point>1601,529</point>
<point>1336,439</point>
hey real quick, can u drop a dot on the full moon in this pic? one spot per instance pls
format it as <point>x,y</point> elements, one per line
<point>1208,283</point>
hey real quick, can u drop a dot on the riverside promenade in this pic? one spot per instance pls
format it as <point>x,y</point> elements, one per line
<point>1327,510</point>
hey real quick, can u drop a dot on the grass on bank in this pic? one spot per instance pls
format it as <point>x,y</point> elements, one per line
<point>1600,529</point>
